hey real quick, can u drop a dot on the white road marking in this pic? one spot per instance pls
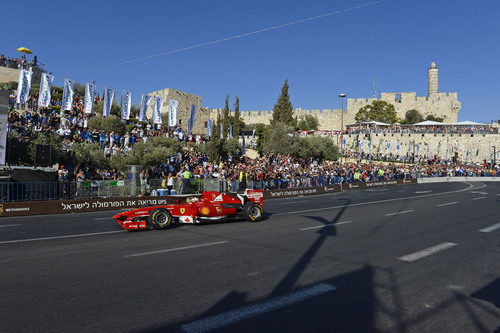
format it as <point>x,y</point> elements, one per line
<point>478,198</point>
<point>9,225</point>
<point>429,191</point>
<point>325,225</point>
<point>102,218</point>
<point>427,252</point>
<point>377,201</point>
<point>479,192</point>
<point>401,212</point>
<point>490,228</point>
<point>447,204</point>
<point>174,249</point>
<point>59,237</point>
<point>251,311</point>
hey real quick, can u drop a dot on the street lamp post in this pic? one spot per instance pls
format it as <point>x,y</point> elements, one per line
<point>342,120</point>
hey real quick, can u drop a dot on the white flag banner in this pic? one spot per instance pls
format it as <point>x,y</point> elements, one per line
<point>3,137</point>
<point>397,147</point>
<point>126,104</point>
<point>109,95</point>
<point>90,91</point>
<point>172,112</point>
<point>68,93</point>
<point>157,110</point>
<point>44,95</point>
<point>192,118</point>
<point>23,86</point>
<point>144,107</point>
<point>361,144</point>
<point>209,127</point>
<point>388,146</point>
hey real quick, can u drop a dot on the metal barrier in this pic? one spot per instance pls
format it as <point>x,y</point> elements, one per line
<point>133,188</point>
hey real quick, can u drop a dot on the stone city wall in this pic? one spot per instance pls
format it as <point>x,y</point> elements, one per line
<point>328,119</point>
<point>480,146</point>
<point>8,74</point>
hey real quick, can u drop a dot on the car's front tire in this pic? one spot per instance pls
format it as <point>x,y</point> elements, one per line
<point>253,212</point>
<point>160,218</point>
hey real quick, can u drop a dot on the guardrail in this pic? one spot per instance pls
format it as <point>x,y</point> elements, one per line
<point>69,190</point>
<point>45,191</point>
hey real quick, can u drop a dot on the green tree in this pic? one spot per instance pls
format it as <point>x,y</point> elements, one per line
<point>236,120</point>
<point>108,124</point>
<point>278,138</point>
<point>283,110</point>
<point>308,123</point>
<point>434,118</point>
<point>316,147</point>
<point>79,89</point>
<point>12,85</point>
<point>377,111</point>
<point>412,117</point>
<point>225,119</point>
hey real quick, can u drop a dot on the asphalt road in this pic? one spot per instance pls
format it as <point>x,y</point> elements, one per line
<point>402,258</point>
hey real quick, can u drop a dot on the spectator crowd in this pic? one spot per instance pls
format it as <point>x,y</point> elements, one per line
<point>267,172</point>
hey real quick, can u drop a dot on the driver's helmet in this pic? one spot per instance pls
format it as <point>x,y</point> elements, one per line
<point>192,199</point>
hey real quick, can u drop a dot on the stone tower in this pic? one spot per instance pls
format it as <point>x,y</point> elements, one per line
<point>432,79</point>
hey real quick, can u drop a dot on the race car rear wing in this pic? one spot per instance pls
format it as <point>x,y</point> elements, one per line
<point>256,196</point>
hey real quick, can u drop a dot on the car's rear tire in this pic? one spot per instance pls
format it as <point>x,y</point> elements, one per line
<point>253,212</point>
<point>160,218</point>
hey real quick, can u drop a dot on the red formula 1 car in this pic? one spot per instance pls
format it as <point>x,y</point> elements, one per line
<point>209,207</point>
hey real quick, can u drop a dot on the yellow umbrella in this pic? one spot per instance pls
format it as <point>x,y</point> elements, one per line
<point>25,50</point>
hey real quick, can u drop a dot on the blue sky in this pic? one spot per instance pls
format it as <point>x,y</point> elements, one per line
<point>394,40</point>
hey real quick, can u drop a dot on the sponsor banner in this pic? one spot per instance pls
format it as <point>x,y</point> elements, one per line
<point>79,206</point>
<point>23,86</point>
<point>44,95</point>
<point>157,110</point>
<point>3,137</point>
<point>295,192</point>
<point>68,93</point>
<point>90,91</point>
<point>172,112</point>
<point>109,95</point>
<point>126,104</point>
<point>145,100</point>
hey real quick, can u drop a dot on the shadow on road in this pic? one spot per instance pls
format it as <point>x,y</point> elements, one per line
<point>351,307</point>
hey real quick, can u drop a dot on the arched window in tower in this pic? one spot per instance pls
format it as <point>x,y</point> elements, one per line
<point>398,98</point>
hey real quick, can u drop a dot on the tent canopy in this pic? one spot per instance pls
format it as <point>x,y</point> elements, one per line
<point>429,123</point>
<point>376,123</point>
<point>469,123</point>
